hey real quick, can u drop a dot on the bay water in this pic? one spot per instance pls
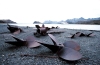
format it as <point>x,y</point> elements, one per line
<point>68,26</point>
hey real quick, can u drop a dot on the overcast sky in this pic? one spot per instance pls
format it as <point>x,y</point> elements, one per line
<point>28,11</point>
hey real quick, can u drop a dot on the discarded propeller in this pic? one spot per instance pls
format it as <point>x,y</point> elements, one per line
<point>14,30</point>
<point>44,31</point>
<point>29,42</point>
<point>79,34</point>
<point>66,51</point>
<point>41,30</point>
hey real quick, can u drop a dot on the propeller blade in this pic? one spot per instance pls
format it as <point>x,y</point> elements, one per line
<point>14,30</point>
<point>17,32</point>
<point>72,44</point>
<point>69,54</point>
<point>54,40</point>
<point>90,34</point>
<point>78,34</point>
<point>18,43</point>
<point>72,36</point>
<point>17,38</point>
<point>11,29</point>
<point>51,47</point>
<point>31,42</point>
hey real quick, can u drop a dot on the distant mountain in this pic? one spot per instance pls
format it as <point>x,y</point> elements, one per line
<point>7,21</point>
<point>84,21</point>
<point>89,22</point>
<point>54,22</point>
<point>80,20</point>
<point>36,22</point>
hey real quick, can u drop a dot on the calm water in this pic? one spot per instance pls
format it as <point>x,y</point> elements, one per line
<point>69,26</point>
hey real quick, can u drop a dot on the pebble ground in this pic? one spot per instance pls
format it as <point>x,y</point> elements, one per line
<point>12,55</point>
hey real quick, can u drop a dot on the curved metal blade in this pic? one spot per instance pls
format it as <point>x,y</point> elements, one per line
<point>90,34</point>
<point>53,48</point>
<point>11,29</point>
<point>72,44</point>
<point>17,32</point>
<point>82,34</point>
<point>17,43</point>
<point>78,34</point>
<point>69,54</point>
<point>54,40</point>
<point>31,42</point>
<point>72,36</point>
<point>17,38</point>
<point>14,30</point>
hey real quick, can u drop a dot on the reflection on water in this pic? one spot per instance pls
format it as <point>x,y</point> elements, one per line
<point>69,26</point>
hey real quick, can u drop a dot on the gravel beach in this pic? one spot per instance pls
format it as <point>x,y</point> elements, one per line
<point>12,55</point>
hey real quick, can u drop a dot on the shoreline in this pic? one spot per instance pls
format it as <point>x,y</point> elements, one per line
<point>11,55</point>
<point>67,26</point>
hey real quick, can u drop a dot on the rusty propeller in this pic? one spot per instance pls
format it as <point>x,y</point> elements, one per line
<point>66,51</point>
<point>29,42</point>
<point>44,30</point>
<point>79,34</point>
<point>70,44</point>
<point>41,30</point>
<point>14,30</point>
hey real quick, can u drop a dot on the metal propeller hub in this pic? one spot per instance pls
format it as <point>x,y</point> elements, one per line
<point>66,51</point>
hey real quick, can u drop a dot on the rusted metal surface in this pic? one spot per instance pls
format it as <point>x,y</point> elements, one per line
<point>53,48</point>
<point>29,42</point>
<point>17,38</point>
<point>79,34</point>
<point>14,30</point>
<point>66,51</point>
<point>44,30</point>
<point>90,34</point>
<point>69,54</point>
<point>54,40</point>
<point>72,44</point>
<point>41,30</point>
